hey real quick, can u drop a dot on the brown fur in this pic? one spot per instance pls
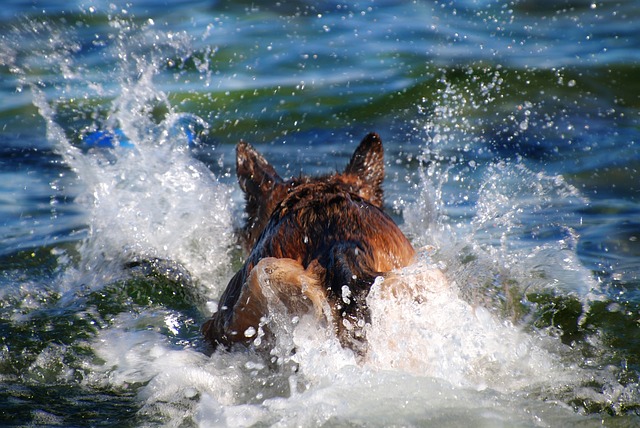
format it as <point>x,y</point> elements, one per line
<point>309,238</point>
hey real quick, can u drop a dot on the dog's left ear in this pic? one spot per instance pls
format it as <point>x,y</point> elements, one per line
<point>256,176</point>
<point>367,164</point>
<point>259,182</point>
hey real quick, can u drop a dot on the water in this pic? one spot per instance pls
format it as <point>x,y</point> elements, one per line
<point>511,134</point>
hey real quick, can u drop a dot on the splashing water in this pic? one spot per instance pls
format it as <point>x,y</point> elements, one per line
<point>148,198</point>
<point>464,345</point>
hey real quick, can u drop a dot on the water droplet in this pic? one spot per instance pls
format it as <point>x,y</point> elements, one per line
<point>346,294</point>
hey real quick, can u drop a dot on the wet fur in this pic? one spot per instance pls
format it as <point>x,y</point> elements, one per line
<point>308,239</point>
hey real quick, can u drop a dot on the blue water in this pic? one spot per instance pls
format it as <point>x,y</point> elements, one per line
<point>511,133</point>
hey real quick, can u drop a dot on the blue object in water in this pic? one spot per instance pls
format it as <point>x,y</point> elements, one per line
<point>117,138</point>
<point>107,139</point>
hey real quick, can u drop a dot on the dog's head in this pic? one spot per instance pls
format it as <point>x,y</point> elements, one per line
<point>264,189</point>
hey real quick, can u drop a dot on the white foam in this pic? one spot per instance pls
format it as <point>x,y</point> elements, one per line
<point>172,377</point>
<point>433,359</point>
<point>434,332</point>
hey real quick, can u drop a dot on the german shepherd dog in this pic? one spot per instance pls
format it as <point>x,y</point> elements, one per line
<point>314,244</point>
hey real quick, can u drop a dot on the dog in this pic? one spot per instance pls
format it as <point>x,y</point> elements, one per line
<point>314,245</point>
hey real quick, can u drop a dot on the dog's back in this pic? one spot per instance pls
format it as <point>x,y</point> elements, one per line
<point>322,241</point>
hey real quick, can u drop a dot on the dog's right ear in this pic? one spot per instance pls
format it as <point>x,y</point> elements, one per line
<point>367,165</point>
<point>257,179</point>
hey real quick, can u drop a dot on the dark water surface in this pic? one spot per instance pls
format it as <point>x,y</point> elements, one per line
<point>511,131</point>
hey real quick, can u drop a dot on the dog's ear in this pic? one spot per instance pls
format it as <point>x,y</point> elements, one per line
<point>257,179</point>
<point>367,164</point>
<point>256,176</point>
